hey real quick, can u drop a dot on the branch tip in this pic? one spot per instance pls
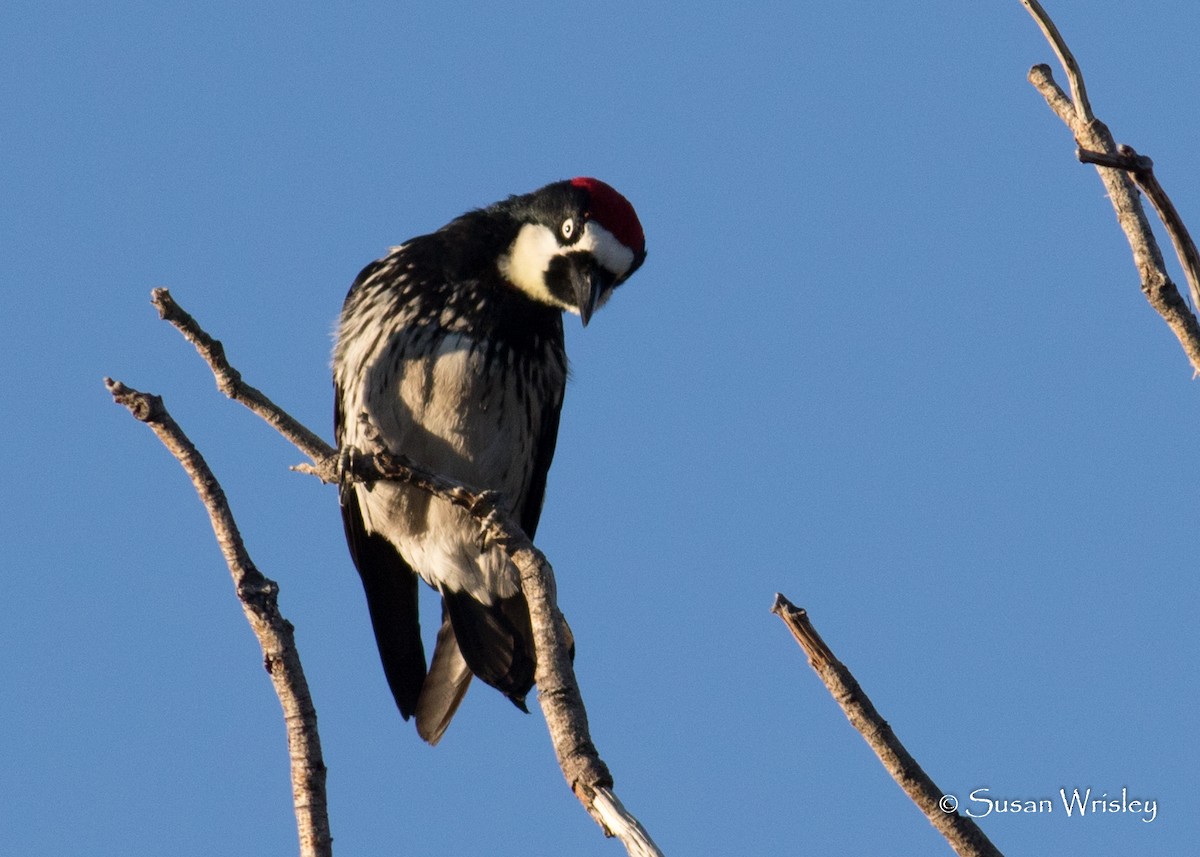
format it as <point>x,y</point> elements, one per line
<point>259,598</point>
<point>781,605</point>
<point>961,832</point>
<point>145,407</point>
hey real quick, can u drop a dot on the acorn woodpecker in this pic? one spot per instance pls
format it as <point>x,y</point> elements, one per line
<point>452,346</point>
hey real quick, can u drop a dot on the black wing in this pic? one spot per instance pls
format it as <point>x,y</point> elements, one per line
<point>391,588</point>
<point>531,509</point>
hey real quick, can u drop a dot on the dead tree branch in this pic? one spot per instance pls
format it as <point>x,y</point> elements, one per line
<point>1123,171</point>
<point>229,381</point>
<point>961,832</point>
<point>558,689</point>
<point>259,599</point>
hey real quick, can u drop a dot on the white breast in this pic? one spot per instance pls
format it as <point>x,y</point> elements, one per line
<point>461,415</point>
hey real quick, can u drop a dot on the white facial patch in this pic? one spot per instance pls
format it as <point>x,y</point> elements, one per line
<point>613,256</point>
<point>528,260</point>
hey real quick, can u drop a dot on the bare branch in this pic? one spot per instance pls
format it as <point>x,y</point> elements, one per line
<point>1093,137</point>
<point>961,832</point>
<point>618,821</point>
<point>259,598</point>
<point>558,689</point>
<point>1083,107</point>
<point>229,380</point>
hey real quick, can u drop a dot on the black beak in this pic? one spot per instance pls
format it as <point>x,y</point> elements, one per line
<point>588,287</point>
<point>592,284</point>
<point>579,281</point>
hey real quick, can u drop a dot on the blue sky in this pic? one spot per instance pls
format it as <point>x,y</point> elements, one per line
<point>887,356</point>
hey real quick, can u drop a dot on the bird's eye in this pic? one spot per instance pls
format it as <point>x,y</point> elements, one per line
<point>568,228</point>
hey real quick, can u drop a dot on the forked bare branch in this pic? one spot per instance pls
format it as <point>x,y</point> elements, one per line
<point>1123,173</point>
<point>1079,97</point>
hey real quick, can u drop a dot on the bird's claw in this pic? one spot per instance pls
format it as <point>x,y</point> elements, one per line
<point>490,501</point>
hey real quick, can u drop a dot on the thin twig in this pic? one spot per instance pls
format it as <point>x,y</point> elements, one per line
<point>259,599</point>
<point>1092,136</point>
<point>961,832</point>
<point>558,689</point>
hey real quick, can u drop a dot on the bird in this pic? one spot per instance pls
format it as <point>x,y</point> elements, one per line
<point>450,350</point>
